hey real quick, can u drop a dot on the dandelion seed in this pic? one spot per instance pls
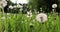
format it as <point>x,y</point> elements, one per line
<point>41,17</point>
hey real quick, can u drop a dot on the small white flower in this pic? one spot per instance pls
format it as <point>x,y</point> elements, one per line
<point>54,6</point>
<point>11,7</point>
<point>29,14</point>
<point>41,17</point>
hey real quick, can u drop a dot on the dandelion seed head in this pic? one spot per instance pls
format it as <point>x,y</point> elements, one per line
<point>54,6</point>
<point>3,3</point>
<point>41,17</point>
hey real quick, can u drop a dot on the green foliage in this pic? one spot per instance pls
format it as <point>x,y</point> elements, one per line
<point>20,23</point>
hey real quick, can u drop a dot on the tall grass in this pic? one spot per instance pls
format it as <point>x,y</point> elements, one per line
<point>21,23</point>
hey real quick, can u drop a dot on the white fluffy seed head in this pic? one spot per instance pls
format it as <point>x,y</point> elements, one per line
<point>54,6</point>
<point>3,3</point>
<point>41,17</point>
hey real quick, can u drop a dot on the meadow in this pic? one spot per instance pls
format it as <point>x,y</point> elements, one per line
<point>21,23</point>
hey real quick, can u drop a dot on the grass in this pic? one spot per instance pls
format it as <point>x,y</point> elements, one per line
<point>20,23</point>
